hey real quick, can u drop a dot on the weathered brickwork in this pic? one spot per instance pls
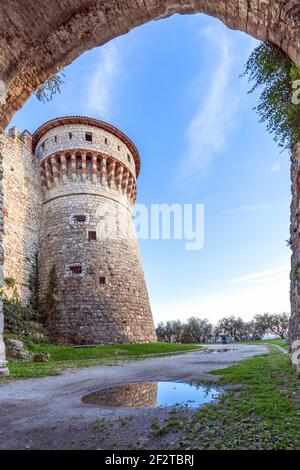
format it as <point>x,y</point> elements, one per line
<point>22,209</point>
<point>87,235</point>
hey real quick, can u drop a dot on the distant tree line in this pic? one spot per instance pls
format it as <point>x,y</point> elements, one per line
<point>198,330</point>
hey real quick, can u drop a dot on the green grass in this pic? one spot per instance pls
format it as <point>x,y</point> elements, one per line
<point>64,357</point>
<point>261,410</point>
<point>276,341</point>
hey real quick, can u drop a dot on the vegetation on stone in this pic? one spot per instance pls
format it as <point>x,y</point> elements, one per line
<point>50,87</point>
<point>20,318</point>
<point>270,68</point>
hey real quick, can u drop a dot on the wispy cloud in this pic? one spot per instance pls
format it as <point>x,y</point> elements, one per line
<point>275,167</point>
<point>213,121</point>
<point>253,208</point>
<point>262,276</point>
<point>101,85</point>
<point>271,168</point>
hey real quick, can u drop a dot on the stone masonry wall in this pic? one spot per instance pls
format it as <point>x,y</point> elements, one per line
<point>294,327</point>
<point>3,364</point>
<point>100,285</point>
<point>22,209</point>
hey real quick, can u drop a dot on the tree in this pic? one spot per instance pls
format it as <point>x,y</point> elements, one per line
<point>256,330</point>
<point>276,324</point>
<point>50,87</point>
<point>160,331</point>
<point>196,330</point>
<point>279,324</point>
<point>262,323</point>
<point>177,329</point>
<point>270,68</point>
<point>169,332</point>
<point>231,326</point>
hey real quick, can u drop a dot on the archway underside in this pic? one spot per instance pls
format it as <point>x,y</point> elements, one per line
<point>38,38</point>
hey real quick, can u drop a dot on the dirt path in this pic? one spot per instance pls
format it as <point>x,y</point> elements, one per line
<point>48,413</point>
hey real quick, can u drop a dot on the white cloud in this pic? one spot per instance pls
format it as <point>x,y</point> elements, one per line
<point>263,276</point>
<point>213,122</point>
<point>275,167</point>
<point>271,168</point>
<point>253,208</point>
<point>102,84</point>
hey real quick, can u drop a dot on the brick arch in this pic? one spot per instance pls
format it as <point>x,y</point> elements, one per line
<point>38,38</point>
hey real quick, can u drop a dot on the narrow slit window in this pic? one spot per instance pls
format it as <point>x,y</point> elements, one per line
<point>55,138</point>
<point>106,141</point>
<point>70,135</point>
<point>128,158</point>
<point>89,137</point>
<point>92,235</point>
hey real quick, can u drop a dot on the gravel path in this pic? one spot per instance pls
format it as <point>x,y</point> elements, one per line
<point>48,412</point>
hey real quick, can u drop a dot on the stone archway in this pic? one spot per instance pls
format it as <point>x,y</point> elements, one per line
<point>37,38</point>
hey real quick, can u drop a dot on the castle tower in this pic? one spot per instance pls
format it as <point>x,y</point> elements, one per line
<point>88,256</point>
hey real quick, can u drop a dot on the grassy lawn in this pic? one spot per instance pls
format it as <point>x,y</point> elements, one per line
<point>260,411</point>
<point>277,341</point>
<point>64,357</point>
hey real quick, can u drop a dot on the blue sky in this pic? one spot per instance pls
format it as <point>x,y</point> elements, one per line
<point>174,87</point>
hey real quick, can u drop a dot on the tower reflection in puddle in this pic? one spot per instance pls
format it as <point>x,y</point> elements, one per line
<point>152,394</point>
<point>138,395</point>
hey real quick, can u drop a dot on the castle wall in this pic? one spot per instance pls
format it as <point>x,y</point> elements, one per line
<point>88,240</point>
<point>294,325</point>
<point>22,204</point>
<point>3,362</point>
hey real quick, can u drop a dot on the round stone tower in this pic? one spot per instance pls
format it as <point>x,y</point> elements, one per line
<point>91,279</point>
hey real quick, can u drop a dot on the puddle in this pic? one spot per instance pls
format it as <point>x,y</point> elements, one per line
<point>223,350</point>
<point>153,394</point>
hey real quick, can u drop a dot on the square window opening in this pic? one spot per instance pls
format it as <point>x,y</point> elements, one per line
<point>92,235</point>
<point>89,137</point>
<point>102,280</point>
